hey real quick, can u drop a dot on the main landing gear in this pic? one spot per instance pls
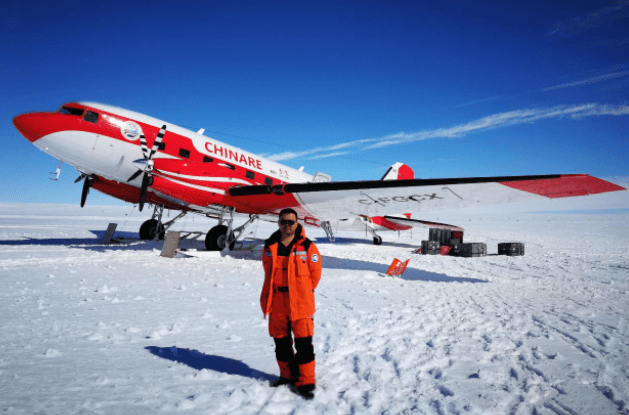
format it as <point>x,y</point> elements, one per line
<point>218,238</point>
<point>221,236</point>
<point>154,228</point>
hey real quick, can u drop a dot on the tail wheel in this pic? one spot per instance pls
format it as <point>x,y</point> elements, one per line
<point>377,240</point>
<point>150,228</point>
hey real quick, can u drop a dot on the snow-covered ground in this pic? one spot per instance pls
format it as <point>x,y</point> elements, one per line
<point>94,329</point>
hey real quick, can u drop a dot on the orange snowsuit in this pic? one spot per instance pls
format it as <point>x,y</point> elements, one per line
<point>288,299</point>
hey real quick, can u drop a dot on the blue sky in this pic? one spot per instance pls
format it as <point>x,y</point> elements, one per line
<point>346,88</point>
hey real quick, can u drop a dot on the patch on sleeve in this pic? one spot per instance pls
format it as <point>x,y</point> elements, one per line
<point>314,258</point>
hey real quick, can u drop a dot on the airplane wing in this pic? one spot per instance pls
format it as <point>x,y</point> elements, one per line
<point>335,200</point>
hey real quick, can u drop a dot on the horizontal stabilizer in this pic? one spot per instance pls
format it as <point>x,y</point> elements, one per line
<point>416,223</point>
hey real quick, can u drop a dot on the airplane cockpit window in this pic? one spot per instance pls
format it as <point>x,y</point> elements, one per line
<point>71,111</point>
<point>91,116</point>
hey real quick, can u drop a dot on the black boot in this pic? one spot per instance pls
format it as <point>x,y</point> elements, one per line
<point>306,391</point>
<point>281,382</point>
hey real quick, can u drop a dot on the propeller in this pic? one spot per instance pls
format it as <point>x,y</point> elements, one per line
<point>145,165</point>
<point>89,180</point>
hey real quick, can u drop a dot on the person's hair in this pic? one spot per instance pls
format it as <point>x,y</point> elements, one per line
<point>287,211</point>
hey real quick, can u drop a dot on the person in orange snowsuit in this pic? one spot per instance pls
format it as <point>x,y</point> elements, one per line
<point>292,270</point>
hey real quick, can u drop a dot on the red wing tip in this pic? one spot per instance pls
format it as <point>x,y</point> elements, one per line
<point>568,185</point>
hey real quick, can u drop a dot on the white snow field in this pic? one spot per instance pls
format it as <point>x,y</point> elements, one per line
<point>117,329</point>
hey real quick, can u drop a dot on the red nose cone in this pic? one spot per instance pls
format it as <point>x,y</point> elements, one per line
<point>31,125</point>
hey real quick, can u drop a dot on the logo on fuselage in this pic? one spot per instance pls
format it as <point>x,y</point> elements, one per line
<point>130,130</point>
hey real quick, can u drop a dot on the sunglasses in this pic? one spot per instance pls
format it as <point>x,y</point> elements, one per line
<point>287,222</point>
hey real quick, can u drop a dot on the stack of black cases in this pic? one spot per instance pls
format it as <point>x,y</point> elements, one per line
<point>511,248</point>
<point>431,247</point>
<point>442,236</point>
<point>472,249</point>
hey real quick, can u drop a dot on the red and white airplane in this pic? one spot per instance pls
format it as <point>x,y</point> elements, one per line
<point>140,159</point>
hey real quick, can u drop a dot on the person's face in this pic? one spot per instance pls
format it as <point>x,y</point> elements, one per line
<point>288,224</point>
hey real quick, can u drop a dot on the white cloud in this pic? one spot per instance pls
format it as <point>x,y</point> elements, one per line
<point>612,14</point>
<point>322,156</point>
<point>590,80</point>
<point>486,123</point>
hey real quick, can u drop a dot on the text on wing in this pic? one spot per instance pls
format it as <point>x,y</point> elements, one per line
<point>400,199</point>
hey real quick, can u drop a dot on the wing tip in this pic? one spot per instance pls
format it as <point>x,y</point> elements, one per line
<point>566,185</point>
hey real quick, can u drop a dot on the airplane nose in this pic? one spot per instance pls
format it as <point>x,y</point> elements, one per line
<point>31,125</point>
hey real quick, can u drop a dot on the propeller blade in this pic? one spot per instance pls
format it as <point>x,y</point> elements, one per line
<point>157,142</point>
<point>145,148</point>
<point>86,189</point>
<point>145,165</point>
<point>134,175</point>
<point>145,184</point>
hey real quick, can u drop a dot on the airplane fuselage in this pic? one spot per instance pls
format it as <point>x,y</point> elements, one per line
<point>104,141</point>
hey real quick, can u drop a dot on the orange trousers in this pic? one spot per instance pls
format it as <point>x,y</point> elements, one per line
<point>298,367</point>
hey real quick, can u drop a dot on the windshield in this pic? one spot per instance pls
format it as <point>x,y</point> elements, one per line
<point>71,111</point>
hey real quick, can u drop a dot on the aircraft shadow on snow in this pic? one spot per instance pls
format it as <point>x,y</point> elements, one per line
<point>199,361</point>
<point>122,241</point>
<point>130,241</point>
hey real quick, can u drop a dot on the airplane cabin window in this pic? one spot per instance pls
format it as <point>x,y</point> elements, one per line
<point>71,111</point>
<point>268,181</point>
<point>161,146</point>
<point>91,116</point>
<point>250,175</point>
<point>184,153</point>
<point>207,159</point>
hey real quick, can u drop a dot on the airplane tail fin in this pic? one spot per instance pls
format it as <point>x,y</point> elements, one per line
<point>399,171</point>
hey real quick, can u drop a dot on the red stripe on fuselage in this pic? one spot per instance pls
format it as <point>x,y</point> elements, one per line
<point>130,193</point>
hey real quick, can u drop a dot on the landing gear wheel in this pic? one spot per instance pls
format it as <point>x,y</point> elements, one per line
<point>149,229</point>
<point>216,239</point>
<point>377,240</point>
